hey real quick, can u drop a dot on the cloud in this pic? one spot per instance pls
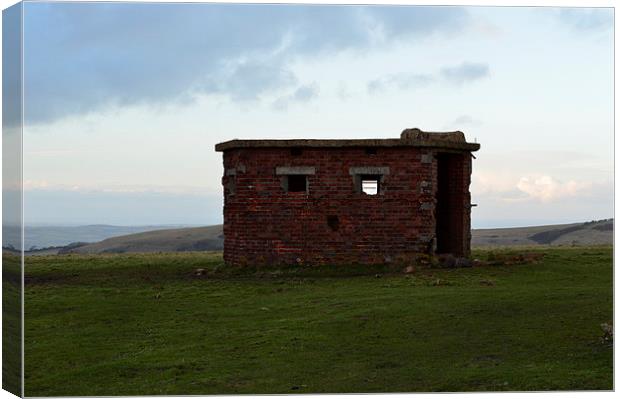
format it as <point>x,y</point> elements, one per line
<point>248,80</point>
<point>400,20</point>
<point>507,198</point>
<point>302,94</point>
<point>538,187</point>
<point>465,72</point>
<point>510,209</point>
<point>466,120</point>
<point>492,183</point>
<point>35,184</point>
<point>343,92</point>
<point>459,75</point>
<point>400,81</point>
<point>87,57</point>
<point>587,19</point>
<point>546,189</point>
<point>30,186</point>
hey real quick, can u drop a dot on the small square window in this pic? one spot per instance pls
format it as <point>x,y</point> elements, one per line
<point>370,184</point>
<point>297,183</point>
<point>296,151</point>
<point>371,151</point>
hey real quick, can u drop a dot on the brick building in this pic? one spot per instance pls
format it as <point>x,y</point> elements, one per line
<point>363,201</point>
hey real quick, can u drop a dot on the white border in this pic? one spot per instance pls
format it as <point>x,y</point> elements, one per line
<point>524,3</point>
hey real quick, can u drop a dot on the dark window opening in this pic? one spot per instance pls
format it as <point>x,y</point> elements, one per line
<point>333,222</point>
<point>371,150</point>
<point>450,205</point>
<point>370,184</point>
<point>296,152</point>
<point>297,183</point>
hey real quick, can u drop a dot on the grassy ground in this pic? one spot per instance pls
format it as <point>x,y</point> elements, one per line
<point>11,323</point>
<point>144,324</point>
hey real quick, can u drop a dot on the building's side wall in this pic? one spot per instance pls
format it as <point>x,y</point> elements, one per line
<point>264,224</point>
<point>453,209</point>
<point>466,176</point>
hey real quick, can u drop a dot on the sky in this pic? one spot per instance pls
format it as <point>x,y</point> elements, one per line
<point>125,102</point>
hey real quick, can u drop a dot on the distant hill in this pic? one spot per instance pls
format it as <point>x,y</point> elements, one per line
<point>208,238</point>
<point>211,238</point>
<point>589,233</point>
<point>56,236</point>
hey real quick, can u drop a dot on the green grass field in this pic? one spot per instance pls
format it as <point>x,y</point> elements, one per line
<point>146,325</point>
<point>11,323</point>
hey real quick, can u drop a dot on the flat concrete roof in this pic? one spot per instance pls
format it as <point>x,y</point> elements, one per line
<point>408,138</point>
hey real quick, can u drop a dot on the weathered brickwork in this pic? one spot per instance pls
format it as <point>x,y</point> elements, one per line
<point>333,221</point>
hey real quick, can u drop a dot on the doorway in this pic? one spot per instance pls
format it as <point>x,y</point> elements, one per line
<point>450,206</point>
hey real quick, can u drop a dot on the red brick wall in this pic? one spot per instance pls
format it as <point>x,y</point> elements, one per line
<point>263,224</point>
